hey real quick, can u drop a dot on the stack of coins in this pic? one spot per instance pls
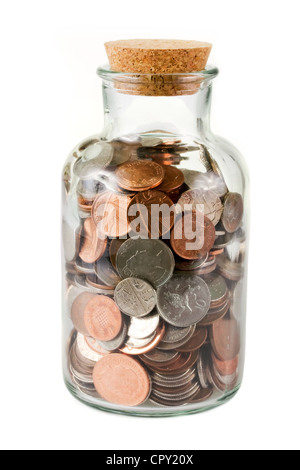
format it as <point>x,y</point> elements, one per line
<point>155,320</point>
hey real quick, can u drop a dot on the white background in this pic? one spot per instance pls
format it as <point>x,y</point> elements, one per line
<point>50,100</point>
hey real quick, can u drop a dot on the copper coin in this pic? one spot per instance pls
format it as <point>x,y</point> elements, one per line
<point>229,269</point>
<point>183,236</point>
<point>109,213</point>
<point>232,216</point>
<point>226,367</point>
<point>77,311</point>
<point>195,343</point>
<point>149,347</point>
<point>181,362</point>
<point>212,205</point>
<point>93,247</point>
<point>139,175</point>
<point>225,339</point>
<point>173,179</point>
<point>202,395</point>
<point>190,265</point>
<point>114,247</point>
<point>159,357</point>
<point>121,380</point>
<point>150,219</point>
<point>102,318</point>
<point>173,391</point>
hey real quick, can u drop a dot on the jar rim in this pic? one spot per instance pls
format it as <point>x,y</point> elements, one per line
<point>105,72</point>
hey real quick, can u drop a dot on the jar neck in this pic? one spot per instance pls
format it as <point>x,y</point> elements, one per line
<point>136,114</point>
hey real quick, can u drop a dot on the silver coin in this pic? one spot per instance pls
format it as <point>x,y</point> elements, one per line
<point>184,300</point>
<point>94,139</point>
<point>172,378</point>
<point>175,384</point>
<point>174,334</point>
<point>202,368</point>
<point>150,141</point>
<point>139,343</point>
<point>237,301</point>
<point>135,297</point>
<point>230,270</point>
<point>151,260</point>
<point>178,396</point>
<point>89,189</point>
<point>118,342</point>
<point>209,200</point>
<point>85,350</point>
<point>141,328</point>
<point>160,356</point>
<point>169,346</point>
<point>209,181</point>
<point>71,240</point>
<point>105,271</point>
<point>83,267</point>
<point>130,139</point>
<point>96,158</point>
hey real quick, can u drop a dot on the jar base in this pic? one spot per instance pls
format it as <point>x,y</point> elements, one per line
<point>150,411</point>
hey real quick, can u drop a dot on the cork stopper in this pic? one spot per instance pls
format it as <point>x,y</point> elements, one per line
<point>155,63</point>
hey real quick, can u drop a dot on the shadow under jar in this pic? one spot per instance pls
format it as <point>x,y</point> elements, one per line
<point>155,245</point>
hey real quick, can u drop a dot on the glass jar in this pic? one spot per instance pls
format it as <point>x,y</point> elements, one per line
<point>155,248</point>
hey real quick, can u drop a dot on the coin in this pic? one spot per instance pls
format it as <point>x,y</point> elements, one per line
<point>71,240</point>
<point>237,300</point>
<point>96,346</point>
<point>151,260</point>
<point>93,247</point>
<point>135,297</point>
<point>190,265</point>
<point>226,367</point>
<point>169,346</point>
<point>121,380</point>
<point>96,157</point>
<point>232,216</point>
<point>184,300</point>
<point>196,342</point>
<point>84,268</point>
<point>134,343</point>
<point>156,356</point>
<point>139,175</point>
<point>192,237</point>
<point>202,395</point>
<point>88,189</point>
<point>217,287</point>
<point>202,365</point>
<point>212,205</point>
<point>109,213</point>
<point>174,334</point>
<point>87,142</point>
<point>93,281</point>
<point>106,273</point>
<point>102,318</point>
<point>85,350</point>
<point>209,181</point>
<point>173,179</point>
<point>151,205</point>
<point>123,152</point>
<point>118,342</point>
<point>149,347</point>
<point>77,311</point>
<point>230,270</point>
<point>225,339</point>
<point>141,328</point>
<point>115,244</point>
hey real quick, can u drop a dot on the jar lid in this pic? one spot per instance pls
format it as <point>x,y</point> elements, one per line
<point>157,56</point>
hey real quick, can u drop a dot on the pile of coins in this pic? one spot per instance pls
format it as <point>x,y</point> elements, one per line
<point>154,321</point>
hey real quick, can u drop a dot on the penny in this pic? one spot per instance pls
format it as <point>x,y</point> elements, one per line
<point>102,318</point>
<point>118,342</point>
<point>156,356</point>
<point>212,206</point>
<point>184,300</point>
<point>77,311</point>
<point>139,175</point>
<point>93,247</point>
<point>109,213</point>
<point>232,216</point>
<point>149,347</point>
<point>196,342</point>
<point>190,265</point>
<point>225,339</point>
<point>106,273</point>
<point>173,179</point>
<point>135,297</point>
<point>202,395</point>
<point>121,380</point>
<point>226,367</point>
<point>71,240</point>
<point>115,244</point>
<point>217,287</point>
<point>151,260</point>
<point>228,380</point>
<point>209,181</point>
<point>141,328</point>
<point>153,220</point>
<point>192,237</point>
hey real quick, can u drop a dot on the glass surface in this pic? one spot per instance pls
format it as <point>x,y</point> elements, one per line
<point>172,342</point>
